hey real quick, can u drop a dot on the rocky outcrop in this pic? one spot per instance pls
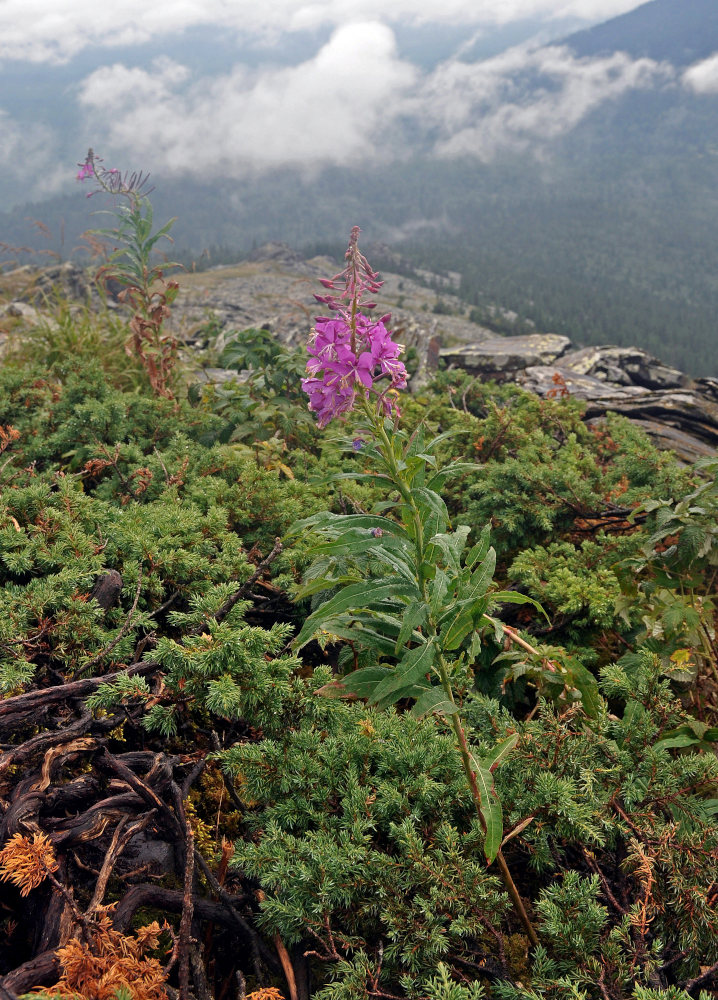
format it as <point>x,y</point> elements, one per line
<point>501,358</point>
<point>624,366</point>
<point>678,412</point>
<point>274,289</point>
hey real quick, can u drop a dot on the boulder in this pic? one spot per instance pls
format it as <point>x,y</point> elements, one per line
<point>624,366</point>
<point>501,357</point>
<point>557,380</point>
<point>67,280</point>
<point>21,310</point>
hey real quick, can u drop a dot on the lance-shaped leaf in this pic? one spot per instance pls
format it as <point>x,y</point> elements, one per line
<point>587,684</point>
<point>514,597</point>
<point>434,701</point>
<point>410,670</point>
<point>478,552</point>
<point>368,638</point>
<point>338,524</point>
<point>481,578</point>
<point>433,511</point>
<point>491,810</point>
<point>436,482</point>
<point>498,755</point>
<point>452,545</point>
<point>439,590</point>
<point>363,683</point>
<point>365,594</point>
<point>414,617</point>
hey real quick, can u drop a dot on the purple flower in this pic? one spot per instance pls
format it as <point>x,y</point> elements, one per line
<point>358,444</point>
<point>377,532</point>
<point>351,353</point>
<point>86,170</point>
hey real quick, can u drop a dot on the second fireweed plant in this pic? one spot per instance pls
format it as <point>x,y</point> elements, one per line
<point>409,595</point>
<point>130,264</point>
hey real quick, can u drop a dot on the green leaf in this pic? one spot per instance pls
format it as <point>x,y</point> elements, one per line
<point>514,597</point>
<point>436,482</point>
<point>479,551</point>
<point>365,594</point>
<point>411,668</point>
<point>340,524</point>
<point>499,754</point>
<point>368,638</point>
<point>587,684</point>
<point>348,545</point>
<point>432,509</point>
<point>413,617</point>
<point>463,623</point>
<point>490,810</point>
<point>434,701</point>
<point>364,682</point>
<point>439,590</point>
<point>452,545</point>
<point>482,577</point>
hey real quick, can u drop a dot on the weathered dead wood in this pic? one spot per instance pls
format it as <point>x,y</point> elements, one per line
<point>107,589</point>
<point>244,589</point>
<point>148,895</point>
<point>142,788</point>
<point>41,970</point>
<point>25,751</point>
<point>81,790</point>
<point>120,635</point>
<point>71,831</point>
<point>184,941</point>
<point>120,839</point>
<point>32,705</point>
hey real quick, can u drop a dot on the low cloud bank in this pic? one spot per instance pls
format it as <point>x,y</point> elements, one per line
<point>702,77</point>
<point>355,102</point>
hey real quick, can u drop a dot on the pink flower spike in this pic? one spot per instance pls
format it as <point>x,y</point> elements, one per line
<point>350,353</point>
<point>86,170</point>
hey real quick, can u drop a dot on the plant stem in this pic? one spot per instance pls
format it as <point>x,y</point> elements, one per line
<point>476,795</point>
<point>387,450</point>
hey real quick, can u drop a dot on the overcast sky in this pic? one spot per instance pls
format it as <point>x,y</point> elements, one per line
<point>58,29</point>
<point>351,95</point>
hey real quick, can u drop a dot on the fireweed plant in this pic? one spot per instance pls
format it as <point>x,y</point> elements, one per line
<point>404,588</point>
<point>129,264</point>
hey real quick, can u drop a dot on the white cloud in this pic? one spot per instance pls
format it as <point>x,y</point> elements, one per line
<point>114,87</point>
<point>30,151</point>
<point>328,109</point>
<point>525,97</point>
<point>349,104</point>
<point>56,30</point>
<point>702,77</point>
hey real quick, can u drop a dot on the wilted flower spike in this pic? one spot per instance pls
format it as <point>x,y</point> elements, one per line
<point>131,185</point>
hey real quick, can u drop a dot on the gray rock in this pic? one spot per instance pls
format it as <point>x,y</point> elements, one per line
<point>21,310</point>
<point>686,410</point>
<point>502,357</point>
<point>555,380</point>
<point>67,280</point>
<point>624,366</point>
<point>687,447</point>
